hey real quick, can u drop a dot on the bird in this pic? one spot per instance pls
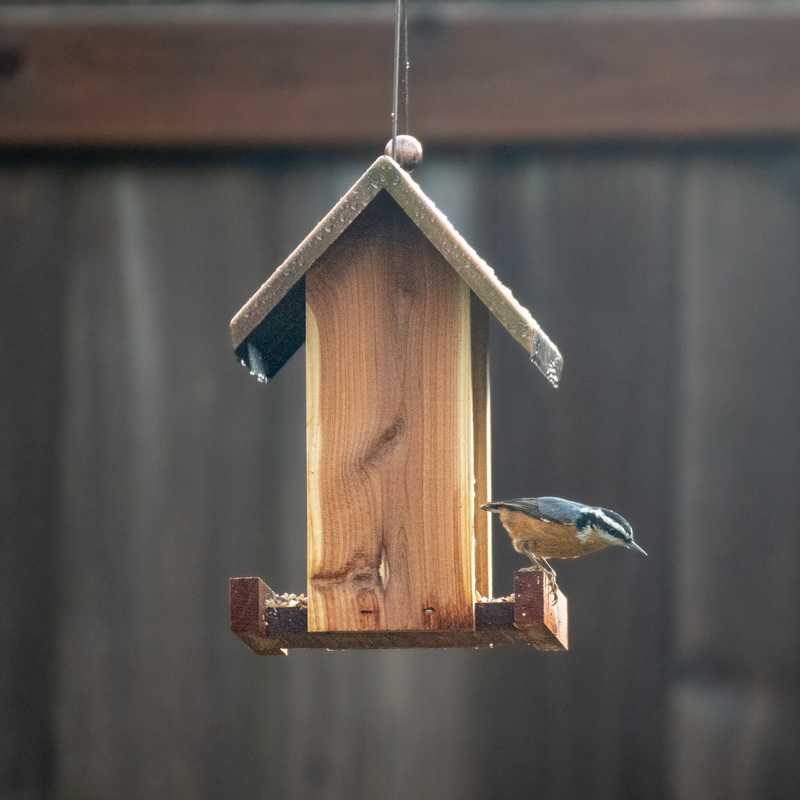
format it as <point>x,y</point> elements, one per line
<point>551,527</point>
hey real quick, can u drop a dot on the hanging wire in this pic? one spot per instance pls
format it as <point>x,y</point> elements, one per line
<point>401,68</point>
<point>405,67</point>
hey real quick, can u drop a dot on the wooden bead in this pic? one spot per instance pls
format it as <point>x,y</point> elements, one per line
<point>409,151</point>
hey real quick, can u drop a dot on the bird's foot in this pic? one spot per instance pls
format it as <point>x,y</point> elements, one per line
<point>553,589</point>
<point>551,574</point>
<point>540,564</point>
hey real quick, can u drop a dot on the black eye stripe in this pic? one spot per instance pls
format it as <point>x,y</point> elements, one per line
<point>590,518</point>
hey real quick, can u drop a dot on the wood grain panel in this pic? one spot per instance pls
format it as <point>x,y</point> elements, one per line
<point>390,482</point>
<point>34,225</point>
<point>592,242</point>
<point>288,75</point>
<point>482,445</point>
<point>736,697</point>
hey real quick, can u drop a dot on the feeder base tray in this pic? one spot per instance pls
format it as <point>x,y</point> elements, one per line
<point>530,619</point>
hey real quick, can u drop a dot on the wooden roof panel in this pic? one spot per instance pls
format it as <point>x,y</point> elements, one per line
<point>384,175</point>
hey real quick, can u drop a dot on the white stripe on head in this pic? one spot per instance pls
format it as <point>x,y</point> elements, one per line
<point>612,523</point>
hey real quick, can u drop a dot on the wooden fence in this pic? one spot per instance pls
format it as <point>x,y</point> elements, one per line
<point>141,466</point>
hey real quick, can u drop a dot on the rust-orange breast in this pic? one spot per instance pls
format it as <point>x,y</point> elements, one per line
<point>548,539</point>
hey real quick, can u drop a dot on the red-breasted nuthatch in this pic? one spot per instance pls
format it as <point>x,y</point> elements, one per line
<point>551,527</point>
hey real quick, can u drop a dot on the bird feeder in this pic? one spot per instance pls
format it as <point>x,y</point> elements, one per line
<point>392,304</point>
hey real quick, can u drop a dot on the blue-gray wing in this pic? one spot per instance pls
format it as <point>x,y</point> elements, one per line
<point>557,509</point>
<point>554,509</point>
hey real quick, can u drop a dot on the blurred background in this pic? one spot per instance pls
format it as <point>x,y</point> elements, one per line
<point>633,173</point>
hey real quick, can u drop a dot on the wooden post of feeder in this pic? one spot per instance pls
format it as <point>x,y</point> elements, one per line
<point>397,426</point>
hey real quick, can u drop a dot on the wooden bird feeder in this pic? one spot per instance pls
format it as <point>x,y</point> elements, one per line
<point>393,306</point>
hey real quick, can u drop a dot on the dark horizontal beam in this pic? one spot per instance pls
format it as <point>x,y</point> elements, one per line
<point>283,76</point>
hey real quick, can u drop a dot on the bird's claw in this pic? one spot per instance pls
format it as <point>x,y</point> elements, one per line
<point>551,578</point>
<point>551,575</point>
<point>553,590</point>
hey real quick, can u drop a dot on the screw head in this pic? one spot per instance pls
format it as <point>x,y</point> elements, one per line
<point>409,151</point>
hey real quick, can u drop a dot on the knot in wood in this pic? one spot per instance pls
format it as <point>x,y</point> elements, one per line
<point>365,577</point>
<point>385,442</point>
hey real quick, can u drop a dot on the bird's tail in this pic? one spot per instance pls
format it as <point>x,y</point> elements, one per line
<point>526,506</point>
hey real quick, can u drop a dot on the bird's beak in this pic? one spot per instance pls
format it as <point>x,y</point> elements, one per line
<point>634,546</point>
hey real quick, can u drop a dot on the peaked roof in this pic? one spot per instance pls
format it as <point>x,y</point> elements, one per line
<point>270,327</point>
